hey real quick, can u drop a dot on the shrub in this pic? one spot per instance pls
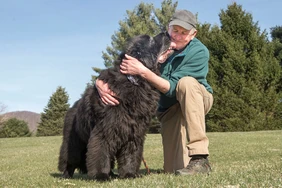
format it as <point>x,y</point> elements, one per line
<point>14,128</point>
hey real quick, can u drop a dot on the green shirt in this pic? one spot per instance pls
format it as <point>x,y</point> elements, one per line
<point>192,61</point>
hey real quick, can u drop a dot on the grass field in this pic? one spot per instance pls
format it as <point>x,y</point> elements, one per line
<point>238,159</point>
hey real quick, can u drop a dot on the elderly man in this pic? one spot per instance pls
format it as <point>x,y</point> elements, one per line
<point>186,97</point>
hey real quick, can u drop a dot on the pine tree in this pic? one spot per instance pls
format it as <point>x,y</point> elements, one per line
<point>144,19</point>
<point>52,119</point>
<point>244,71</point>
<point>244,74</point>
<point>276,35</point>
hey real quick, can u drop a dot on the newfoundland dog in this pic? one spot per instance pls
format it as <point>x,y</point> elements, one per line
<point>95,135</point>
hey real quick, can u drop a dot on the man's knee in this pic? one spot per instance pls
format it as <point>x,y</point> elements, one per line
<point>186,81</point>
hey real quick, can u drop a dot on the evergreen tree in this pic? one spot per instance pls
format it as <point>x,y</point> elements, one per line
<point>276,35</point>
<point>144,19</point>
<point>243,73</point>
<point>52,119</point>
<point>14,128</point>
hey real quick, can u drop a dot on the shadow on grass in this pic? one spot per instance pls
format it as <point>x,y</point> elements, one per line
<point>77,175</point>
<point>151,171</point>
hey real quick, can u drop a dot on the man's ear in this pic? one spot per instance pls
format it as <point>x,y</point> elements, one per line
<point>194,34</point>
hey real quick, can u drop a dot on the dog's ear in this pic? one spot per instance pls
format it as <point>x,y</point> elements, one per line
<point>146,49</point>
<point>122,55</point>
<point>141,48</point>
<point>137,44</point>
<point>162,41</point>
<point>117,62</point>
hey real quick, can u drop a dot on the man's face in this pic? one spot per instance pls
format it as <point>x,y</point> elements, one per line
<point>180,36</point>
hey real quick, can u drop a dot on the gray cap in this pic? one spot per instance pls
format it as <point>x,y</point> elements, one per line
<point>183,18</point>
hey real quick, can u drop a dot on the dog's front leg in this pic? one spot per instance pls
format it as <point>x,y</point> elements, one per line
<point>129,160</point>
<point>98,160</point>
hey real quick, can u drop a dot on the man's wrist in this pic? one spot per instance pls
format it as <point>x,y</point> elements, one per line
<point>144,72</point>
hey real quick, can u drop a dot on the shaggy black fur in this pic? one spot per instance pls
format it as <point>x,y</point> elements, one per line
<point>96,135</point>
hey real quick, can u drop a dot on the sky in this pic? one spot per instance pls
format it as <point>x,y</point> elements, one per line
<point>45,44</point>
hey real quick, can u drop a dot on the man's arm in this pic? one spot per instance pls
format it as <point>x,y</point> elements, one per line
<point>132,66</point>
<point>107,96</point>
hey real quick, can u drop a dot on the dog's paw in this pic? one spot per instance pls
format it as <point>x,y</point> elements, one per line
<point>129,175</point>
<point>67,175</point>
<point>102,177</point>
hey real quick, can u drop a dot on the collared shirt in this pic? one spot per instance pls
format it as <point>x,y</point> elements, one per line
<point>192,61</point>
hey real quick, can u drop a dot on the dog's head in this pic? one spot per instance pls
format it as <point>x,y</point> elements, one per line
<point>149,50</point>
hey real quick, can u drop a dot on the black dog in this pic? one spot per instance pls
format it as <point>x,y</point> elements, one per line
<point>96,135</point>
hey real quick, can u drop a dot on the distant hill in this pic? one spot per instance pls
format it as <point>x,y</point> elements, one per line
<point>31,118</point>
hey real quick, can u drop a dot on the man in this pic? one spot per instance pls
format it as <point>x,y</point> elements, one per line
<point>186,97</point>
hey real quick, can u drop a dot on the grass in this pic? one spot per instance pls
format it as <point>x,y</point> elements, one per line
<point>238,159</point>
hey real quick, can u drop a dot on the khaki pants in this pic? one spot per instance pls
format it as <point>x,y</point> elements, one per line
<point>184,123</point>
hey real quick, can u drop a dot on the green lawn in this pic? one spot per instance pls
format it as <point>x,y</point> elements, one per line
<point>238,159</point>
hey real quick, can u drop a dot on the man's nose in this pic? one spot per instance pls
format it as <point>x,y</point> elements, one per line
<point>172,45</point>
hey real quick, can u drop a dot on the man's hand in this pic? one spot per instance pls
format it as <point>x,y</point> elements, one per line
<point>106,95</point>
<point>132,66</point>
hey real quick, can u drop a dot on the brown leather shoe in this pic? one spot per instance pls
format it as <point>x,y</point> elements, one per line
<point>196,166</point>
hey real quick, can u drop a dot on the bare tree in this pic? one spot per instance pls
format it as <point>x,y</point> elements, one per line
<point>2,110</point>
